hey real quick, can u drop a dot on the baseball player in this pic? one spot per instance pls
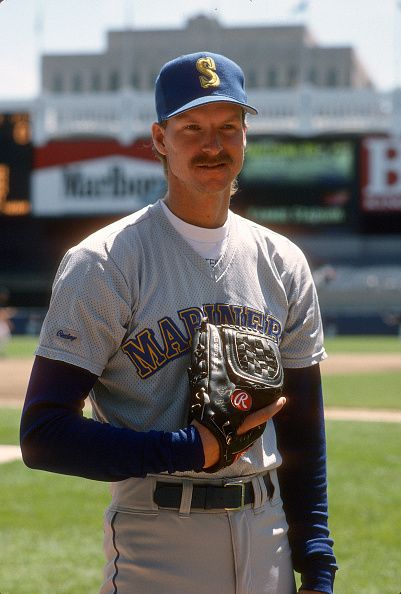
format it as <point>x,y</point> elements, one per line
<point>125,305</point>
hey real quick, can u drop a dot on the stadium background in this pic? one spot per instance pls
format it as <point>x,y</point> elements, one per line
<point>310,189</point>
<point>323,166</point>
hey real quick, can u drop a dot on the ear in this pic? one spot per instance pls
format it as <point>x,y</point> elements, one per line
<point>158,138</point>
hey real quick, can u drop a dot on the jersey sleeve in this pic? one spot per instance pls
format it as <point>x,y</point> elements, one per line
<point>56,437</point>
<point>302,339</point>
<point>89,310</point>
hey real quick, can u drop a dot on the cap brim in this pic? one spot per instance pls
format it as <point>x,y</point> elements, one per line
<point>210,99</point>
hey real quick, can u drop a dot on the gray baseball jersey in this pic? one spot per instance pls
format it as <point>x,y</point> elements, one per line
<point>127,299</point>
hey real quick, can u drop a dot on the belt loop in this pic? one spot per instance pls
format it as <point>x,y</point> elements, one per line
<point>264,494</point>
<point>151,481</point>
<point>258,493</point>
<point>186,499</point>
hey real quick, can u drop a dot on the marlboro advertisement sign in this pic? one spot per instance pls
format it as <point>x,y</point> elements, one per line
<point>94,177</point>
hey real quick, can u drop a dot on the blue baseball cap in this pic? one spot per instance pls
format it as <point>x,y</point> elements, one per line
<point>195,79</point>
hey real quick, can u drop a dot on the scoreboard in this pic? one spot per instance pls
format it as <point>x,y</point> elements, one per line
<point>322,184</point>
<point>300,182</point>
<point>16,153</point>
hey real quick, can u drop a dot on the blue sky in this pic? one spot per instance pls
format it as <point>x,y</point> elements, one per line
<point>31,27</point>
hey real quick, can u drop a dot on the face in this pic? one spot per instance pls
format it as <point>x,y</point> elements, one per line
<point>204,147</point>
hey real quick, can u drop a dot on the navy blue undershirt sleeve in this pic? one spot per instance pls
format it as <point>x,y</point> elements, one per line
<point>56,437</point>
<point>301,441</point>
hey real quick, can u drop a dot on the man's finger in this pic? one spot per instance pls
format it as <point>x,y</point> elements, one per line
<point>262,415</point>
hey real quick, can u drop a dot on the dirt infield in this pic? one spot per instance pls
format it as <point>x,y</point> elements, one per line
<point>14,377</point>
<point>14,373</point>
<point>345,363</point>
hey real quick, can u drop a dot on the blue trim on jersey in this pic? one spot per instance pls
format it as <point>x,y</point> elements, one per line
<point>116,558</point>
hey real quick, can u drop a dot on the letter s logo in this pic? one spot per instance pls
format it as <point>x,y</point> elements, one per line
<point>207,68</point>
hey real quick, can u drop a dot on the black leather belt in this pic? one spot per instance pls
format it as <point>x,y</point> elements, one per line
<point>231,496</point>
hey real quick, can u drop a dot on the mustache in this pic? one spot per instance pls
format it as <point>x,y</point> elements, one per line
<point>201,160</point>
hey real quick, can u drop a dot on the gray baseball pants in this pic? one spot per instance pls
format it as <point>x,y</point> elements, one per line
<point>152,549</point>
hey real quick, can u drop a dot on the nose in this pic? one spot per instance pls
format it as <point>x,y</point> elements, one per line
<point>212,143</point>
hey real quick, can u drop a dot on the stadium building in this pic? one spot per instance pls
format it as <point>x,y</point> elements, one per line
<point>323,162</point>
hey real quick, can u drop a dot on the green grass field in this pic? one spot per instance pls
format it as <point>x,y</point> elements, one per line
<point>51,532</point>
<point>51,525</point>
<point>367,390</point>
<point>21,347</point>
<point>364,496</point>
<point>363,344</point>
<point>9,427</point>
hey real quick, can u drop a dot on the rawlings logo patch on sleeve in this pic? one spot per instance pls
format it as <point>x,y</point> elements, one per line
<point>66,335</point>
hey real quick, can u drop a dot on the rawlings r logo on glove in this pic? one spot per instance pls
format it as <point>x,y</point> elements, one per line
<point>234,372</point>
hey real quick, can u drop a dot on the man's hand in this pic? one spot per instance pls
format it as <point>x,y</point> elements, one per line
<point>211,445</point>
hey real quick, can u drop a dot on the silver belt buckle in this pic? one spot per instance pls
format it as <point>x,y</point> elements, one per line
<point>237,484</point>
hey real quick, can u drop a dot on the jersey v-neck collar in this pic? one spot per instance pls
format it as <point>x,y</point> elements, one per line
<point>192,233</point>
<point>218,271</point>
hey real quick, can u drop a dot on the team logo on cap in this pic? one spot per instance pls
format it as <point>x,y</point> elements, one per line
<point>207,69</point>
<point>241,400</point>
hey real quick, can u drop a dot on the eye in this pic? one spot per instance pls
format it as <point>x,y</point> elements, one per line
<point>230,126</point>
<point>193,127</point>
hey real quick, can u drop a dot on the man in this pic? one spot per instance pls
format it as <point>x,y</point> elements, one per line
<point>125,305</point>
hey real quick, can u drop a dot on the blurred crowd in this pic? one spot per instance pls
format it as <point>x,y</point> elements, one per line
<point>6,315</point>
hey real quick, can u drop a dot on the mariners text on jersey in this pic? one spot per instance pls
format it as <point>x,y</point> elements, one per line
<point>149,355</point>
